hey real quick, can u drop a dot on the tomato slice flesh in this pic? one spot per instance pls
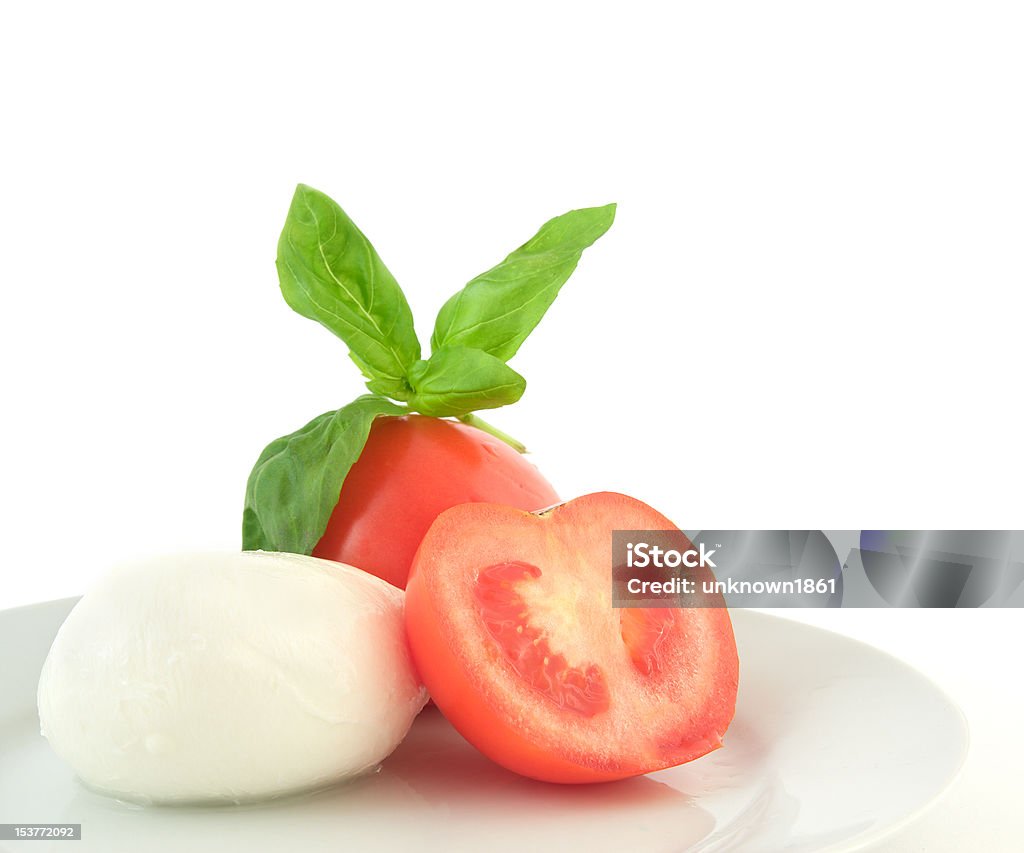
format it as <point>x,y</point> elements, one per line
<point>580,689</point>
<point>645,633</point>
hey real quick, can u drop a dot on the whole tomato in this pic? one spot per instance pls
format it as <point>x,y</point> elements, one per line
<point>411,470</point>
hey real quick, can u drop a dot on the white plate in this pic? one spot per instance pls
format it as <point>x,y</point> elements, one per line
<point>834,745</point>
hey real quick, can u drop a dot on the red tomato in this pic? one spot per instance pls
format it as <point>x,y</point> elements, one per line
<point>512,628</point>
<point>412,469</point>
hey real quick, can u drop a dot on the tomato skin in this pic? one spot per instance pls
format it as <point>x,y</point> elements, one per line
<point>463,670</point>
<point>413,468</point>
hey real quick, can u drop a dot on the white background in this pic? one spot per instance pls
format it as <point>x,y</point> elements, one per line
<point>806,315</point>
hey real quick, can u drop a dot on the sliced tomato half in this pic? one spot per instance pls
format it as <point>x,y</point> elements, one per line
<point>511,624</point>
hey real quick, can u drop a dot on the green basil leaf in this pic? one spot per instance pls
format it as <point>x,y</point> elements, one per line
<point>294,486</point>
<point>396,389</point>
<point>459,380</point>
<point>498,309</point>
<point>330,273</point>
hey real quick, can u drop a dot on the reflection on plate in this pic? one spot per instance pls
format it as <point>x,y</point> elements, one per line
<point>835,744</point>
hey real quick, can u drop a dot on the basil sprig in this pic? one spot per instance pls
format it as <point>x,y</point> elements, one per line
<point>458,380</point>
<point>498,309</point>
<point>329,272</point>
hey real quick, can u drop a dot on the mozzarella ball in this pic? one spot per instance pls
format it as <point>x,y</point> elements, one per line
<point>229,677</point>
